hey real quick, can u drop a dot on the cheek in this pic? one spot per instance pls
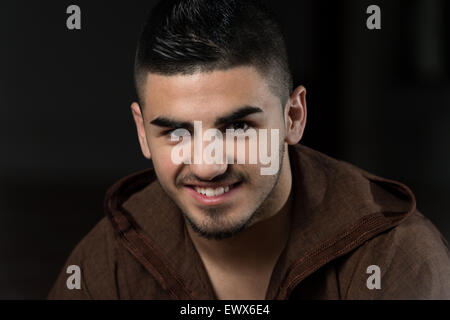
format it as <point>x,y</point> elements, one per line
<point>164,167</point>
<point>255,179</point>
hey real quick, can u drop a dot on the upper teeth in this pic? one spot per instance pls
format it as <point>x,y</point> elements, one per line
<point>209,192</point>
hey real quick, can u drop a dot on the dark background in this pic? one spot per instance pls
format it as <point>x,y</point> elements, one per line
<point>379,99</point>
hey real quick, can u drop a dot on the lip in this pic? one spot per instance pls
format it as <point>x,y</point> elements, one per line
<point>215,199</point>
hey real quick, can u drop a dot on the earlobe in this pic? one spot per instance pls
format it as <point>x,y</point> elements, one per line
<point>296,116</point>
<point>140,127</point>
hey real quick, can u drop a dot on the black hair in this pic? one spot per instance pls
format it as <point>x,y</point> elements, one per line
<point>187,36</point>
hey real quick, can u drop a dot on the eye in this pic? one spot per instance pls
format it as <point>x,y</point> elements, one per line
<point>179,132</point>
<point>239,125</point>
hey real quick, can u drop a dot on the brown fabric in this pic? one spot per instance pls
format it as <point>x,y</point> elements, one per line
<point>344,219</point>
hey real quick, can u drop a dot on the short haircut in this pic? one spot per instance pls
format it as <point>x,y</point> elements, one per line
<point>188,36</point>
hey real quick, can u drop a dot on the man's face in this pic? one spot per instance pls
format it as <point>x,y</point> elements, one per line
<point>207,97</point>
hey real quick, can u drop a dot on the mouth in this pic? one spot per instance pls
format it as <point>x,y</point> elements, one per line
<point>212,196</point>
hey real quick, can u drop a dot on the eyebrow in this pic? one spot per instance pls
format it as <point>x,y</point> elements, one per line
<point>235,115</point>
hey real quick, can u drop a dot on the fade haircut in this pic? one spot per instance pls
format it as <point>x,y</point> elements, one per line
<point>188,36</point>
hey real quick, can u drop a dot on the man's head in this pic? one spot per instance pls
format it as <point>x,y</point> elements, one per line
<point>221,62</point>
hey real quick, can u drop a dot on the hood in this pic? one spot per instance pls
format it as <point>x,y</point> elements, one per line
<point>336,208</point>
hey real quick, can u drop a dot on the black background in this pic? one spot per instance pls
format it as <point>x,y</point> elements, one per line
<point>379,99</point>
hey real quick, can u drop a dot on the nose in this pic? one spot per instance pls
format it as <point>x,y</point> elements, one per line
<point>204,170</point>
<point>208,172</point>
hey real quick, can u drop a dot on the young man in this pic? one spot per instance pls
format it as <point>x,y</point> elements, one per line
<point>313,227</point>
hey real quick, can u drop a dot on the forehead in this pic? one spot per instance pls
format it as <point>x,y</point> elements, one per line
<point>206,93</point>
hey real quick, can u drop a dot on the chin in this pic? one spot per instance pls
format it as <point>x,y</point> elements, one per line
<point>217,227</point>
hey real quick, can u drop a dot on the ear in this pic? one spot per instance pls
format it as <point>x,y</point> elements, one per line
<point>139,121</point>
<point>295,115</point>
